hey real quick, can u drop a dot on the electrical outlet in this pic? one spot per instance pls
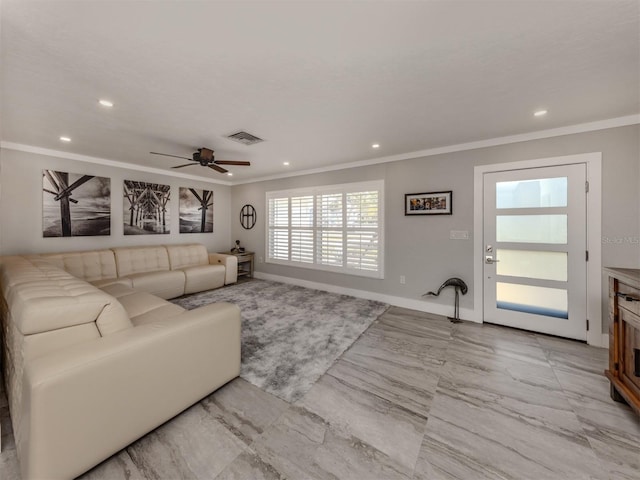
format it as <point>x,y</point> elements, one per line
<point>403,280</point>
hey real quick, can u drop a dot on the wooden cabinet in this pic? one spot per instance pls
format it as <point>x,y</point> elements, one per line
<point>624,335</point>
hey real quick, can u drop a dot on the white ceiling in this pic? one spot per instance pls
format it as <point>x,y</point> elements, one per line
<point>319,81</point>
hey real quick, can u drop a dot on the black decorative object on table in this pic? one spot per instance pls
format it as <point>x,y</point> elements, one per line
<point>459,286</point>
<point>237,248</point>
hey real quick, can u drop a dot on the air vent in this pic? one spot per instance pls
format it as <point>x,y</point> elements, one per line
<point>245,138</point>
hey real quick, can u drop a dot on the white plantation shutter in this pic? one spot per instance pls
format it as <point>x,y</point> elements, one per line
<point>335,227</point>
<point>330,234</point>
<point>362,230</point>
<point>302,247</point>
<point>278,244</point>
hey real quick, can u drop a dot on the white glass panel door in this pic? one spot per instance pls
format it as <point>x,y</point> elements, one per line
<point>535,244</point>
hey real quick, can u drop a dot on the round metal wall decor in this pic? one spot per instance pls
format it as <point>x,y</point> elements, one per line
<point>248,217</point>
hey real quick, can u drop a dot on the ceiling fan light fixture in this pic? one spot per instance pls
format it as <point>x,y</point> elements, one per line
<point>206,154</point>
<point>539,113</point>
<point>375,145</point>
<point>286,164</point>
<point>106,103</point>
<point>65,139</point>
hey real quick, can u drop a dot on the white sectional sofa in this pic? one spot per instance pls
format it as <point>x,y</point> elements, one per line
<point>94,357</point>
<point>167,271</point>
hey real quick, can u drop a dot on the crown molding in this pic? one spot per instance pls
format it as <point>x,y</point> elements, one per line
<point>461,147</point>
<point>104,161</point>
<point>492,142</point>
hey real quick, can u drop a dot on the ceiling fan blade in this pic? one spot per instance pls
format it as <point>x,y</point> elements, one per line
<point>167,155</point>
<point>233,162</point>
<point>217,168</point>
<point>206,153</point>
<point>185,165</point>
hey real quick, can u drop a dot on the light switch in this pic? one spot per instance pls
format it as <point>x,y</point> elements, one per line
<point>459,235</point>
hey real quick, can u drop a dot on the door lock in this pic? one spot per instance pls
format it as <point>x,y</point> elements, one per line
<point>489,260</point>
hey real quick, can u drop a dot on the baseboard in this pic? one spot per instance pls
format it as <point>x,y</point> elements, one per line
<point>413,304</point>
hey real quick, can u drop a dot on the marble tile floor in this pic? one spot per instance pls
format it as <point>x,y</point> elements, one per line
<point>415,397</point>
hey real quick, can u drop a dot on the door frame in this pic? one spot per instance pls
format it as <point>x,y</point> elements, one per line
<point>593,162</point>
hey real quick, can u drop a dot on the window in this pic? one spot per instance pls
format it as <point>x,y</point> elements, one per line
<point>336,227</point>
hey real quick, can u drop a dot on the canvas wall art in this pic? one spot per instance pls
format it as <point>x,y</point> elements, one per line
<point>75,205</point>
<point>146,208</point>
<point>196,210</point>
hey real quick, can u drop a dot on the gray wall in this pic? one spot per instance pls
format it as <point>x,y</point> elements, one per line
<point>21,211</point>
<point>419,247</point>
<point>416,247</point>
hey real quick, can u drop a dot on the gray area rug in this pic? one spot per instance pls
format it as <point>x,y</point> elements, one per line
<point>290,335</point>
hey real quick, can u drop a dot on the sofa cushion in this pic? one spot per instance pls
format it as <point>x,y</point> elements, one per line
<point>132,260</point>
<point>181,256</point>
<point>112,281</point>
<point>42,309</point>
<point>203,277</point>
<point>42,298</point>
<point>157,314</point>
<point>142,307</point>
<point>118,290</point>
<point>137,303</point>
<point>93,265</point>
<point>15,270</point>
<point>165,284</point>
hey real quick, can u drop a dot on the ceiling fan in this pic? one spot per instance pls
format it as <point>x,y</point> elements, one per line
<point>205,157</point>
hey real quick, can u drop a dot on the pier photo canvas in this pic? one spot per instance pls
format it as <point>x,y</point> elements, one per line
<point>146,208</point>
<point>196,210</point>
<point>75,205</point>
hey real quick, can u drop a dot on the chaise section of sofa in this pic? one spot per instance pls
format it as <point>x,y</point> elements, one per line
<point>90,370</point>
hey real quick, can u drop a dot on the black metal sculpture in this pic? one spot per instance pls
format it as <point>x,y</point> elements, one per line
<point>459,286</point>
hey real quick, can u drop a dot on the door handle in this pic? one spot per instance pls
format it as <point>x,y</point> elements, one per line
<point>489,260</point>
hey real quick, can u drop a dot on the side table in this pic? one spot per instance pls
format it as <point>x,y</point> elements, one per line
<point>245,263</point>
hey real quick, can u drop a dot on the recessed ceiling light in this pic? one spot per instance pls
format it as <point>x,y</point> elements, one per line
<point>106,103</point>
<point>539,113</point>
<point>65,139</point>
<point>375,145</point>
<point>285,163</point>
<point>230,174</point>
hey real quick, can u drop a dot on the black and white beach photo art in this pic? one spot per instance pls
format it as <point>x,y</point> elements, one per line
<point>196,210</point>
<point>146,208</point>
<point>75,205</point>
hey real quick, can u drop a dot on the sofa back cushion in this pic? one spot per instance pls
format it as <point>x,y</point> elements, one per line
<point>42,298</point>
<point>182,256</point>
<point>91,266</point>
<point>130,260</point>
<point>16,270</point>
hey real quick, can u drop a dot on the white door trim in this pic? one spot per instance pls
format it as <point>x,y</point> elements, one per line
<point>593,162</point>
